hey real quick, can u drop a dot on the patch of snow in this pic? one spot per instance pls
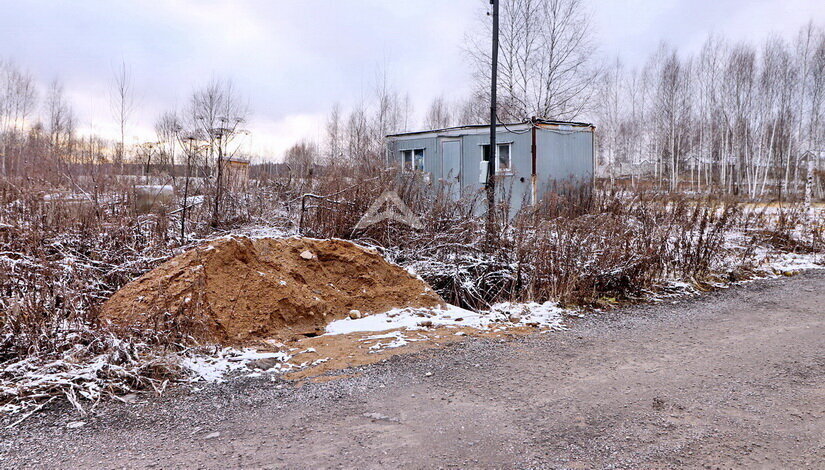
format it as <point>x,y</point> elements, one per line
<point>792,262</point>
<point>546,315</point>
<point>398,339</point>
<point>392,334</point>
<point>407,318</point>
<point>265,232</point>
<point>213,368</point>
<point>157,188</point>
<point>195,200</point>
<point>739,248</point>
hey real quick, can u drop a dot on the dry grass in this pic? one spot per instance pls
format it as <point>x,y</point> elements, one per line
<point>575,248</point>
<point>61,257</point>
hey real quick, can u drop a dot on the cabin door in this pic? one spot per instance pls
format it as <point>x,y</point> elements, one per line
<point>451,167</point>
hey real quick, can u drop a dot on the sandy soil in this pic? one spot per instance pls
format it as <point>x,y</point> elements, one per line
<point>238,290</point>
<point>732,379</point>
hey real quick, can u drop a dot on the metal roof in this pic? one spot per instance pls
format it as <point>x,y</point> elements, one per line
<point>505,125</point>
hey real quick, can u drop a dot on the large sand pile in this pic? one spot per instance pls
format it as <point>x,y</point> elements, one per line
<point>237,290</point>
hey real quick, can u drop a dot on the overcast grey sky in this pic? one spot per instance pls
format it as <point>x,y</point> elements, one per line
<point>292,60</point>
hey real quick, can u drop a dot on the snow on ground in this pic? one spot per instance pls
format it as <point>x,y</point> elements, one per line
<point>394,329</point>
<point>266,232</point>
<point>789,263</point>
<point>546,315</point>
<point>396,339</point>
<point>227,362</point>
<point>407,318</point>
<point>248,362</point>
<point>738,245</point>
<point>195,200</point>
<point>397,327</point>
<point>214,367</point>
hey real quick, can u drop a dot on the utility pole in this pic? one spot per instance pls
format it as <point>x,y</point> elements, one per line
<point>491,155</point>
<point>189,154</point>
<point>809,181</point>
<point>219,133</point>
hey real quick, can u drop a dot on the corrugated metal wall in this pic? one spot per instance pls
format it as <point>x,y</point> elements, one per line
<point>516,184</point>
<point>563,156</point>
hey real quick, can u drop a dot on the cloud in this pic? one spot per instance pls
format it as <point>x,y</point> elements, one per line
<point>293,60</point>
<point>632,29</point>
<point>269,139</point>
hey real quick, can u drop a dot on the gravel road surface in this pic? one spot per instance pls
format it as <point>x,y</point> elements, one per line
<point>733,379</point>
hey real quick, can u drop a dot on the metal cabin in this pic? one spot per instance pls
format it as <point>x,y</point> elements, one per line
<point>533,157</point>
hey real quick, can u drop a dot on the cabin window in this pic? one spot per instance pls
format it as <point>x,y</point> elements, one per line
<point>503,162</point>
<point>412,160</point>
<point>503,157</point>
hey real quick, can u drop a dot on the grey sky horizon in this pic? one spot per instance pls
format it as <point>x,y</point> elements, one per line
<point>291,61</point>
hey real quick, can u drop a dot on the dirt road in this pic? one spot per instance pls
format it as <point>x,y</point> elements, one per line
<point>731,379</point>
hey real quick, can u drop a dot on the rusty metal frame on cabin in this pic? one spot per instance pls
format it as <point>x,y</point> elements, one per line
<point>533,173</point>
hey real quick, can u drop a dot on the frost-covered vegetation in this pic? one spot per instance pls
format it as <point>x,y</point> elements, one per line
<point>62,258</point>
<point>574,249</point>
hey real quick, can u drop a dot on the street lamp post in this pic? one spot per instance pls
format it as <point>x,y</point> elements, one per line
<point>189,154</point>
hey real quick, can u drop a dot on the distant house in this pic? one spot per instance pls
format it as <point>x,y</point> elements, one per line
<point>626,169</point>
<point>236,172</point>
<point>532,157</point>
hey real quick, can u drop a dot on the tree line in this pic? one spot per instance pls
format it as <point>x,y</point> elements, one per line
<point>735,117</point>
<point>740,118</point>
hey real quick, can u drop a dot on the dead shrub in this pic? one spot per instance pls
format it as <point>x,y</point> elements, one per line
<point>61,258</point>
<point>65,250</point>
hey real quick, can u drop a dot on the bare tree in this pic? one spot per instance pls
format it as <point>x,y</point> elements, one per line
<point>811,57</point>
<point>191,147</point>
<point>546,64</point>
<point>473,110</point>
<point>334,136</point>
<point>734,118</point>
<point>301,158</point>
<point>387,116</point>
<point>216,114</point>
<point>167,129</point>
<point>358,137</point>
<point>438,116</point>
<point>121,101</point>
<point>609,99</point>
<point>18,97</point>
<point>146,152</point>
<point>60,122</point>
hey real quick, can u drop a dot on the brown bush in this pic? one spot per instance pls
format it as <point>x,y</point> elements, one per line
<point>62,257</point>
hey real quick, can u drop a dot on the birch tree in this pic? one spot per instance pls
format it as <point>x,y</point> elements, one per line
<point>121,101</point>
<point>546,65</point>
